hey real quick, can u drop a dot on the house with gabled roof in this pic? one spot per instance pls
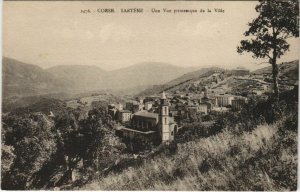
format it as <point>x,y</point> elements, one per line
<point>155,125</point>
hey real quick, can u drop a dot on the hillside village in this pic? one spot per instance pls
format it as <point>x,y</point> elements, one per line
<point>215,92</point>
<point>211,92</point>
<point>167,99</point>
<point>190,107</point>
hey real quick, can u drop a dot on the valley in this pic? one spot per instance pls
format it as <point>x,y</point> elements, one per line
<point>207,111</point>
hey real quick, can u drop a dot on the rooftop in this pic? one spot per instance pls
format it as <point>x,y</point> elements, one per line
<point>163,95</point>
<point>146,114</point>
<point>136,131</point>
<point>124,111</point>
<point>225,95</point>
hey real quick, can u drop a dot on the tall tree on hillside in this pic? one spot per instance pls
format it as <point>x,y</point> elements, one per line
<point>277,21</point>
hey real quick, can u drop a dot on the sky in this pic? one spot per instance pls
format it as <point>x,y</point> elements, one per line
<point>56,33</point>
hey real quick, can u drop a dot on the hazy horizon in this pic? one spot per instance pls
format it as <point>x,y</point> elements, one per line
<point>141,63</point>
<point>49,34</point>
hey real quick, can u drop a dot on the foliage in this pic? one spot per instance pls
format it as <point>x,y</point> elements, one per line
<point>251,150</point>
<point>187,115</point>
<point>42,151</point>
<point>100,143</point>
<point>277,21</point>
<point>7,158</point>
<point>137,144</point>
<point>259,111</point>
<point>195,130</point>
<point>226,156</point>
<point>263,159</point>
<point>70,139</point>
<point>23,134</point>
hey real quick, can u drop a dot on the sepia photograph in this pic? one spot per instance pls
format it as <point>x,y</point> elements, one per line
<point>150,95</point>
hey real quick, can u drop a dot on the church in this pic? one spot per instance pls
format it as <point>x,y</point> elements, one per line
<point>152,126</point>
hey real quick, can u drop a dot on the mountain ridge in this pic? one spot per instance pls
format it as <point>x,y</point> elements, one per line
<point>81,78</point>
<point>22,79</point>
<point>288,72</point>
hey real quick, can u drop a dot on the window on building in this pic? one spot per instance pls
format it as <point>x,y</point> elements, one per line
<point>165,120</point>
<point>166,111</point>
<point>172,133</point>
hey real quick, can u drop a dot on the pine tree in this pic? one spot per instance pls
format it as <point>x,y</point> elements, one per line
<point>277,21</point>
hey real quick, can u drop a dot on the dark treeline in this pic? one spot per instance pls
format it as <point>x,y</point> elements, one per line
<point>42,151</point>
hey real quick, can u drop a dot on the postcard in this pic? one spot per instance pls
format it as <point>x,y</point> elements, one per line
<point>150,95</point>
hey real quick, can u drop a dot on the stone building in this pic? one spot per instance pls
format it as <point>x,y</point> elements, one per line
<point>213,101</point>
<point>165,127</point>
<point>224,100</point>
<point>134,106</point>
<point>144,120</point>
<point>238,103</point>
<point>119,106</point>
<point>137,107</point>
<point>148,105</point>
<point>152,125</point>
<point>210,106</point>
<point>202,108</point>
<point>124,116</point>
<point>207,99</point>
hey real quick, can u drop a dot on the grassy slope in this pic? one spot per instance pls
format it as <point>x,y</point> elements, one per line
<point>261,160</point>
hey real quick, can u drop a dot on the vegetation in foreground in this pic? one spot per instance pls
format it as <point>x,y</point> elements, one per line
<point>44,143</point>
<point>264,159</point>
<point>255,149</point>
<point>259,153</point>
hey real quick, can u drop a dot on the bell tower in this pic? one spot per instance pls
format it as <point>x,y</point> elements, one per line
<point>164,118</point>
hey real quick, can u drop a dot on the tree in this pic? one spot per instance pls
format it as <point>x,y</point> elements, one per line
<point>69,139</point>
<point>90,140</point>
<point>39,151</point>
<point>28,143</point>
<point>7,158</point>
<point>277,21</point>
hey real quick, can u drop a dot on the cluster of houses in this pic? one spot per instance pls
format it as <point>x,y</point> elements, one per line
<point>207,102</point>
<point>157,116</point>
<point>148,119</point>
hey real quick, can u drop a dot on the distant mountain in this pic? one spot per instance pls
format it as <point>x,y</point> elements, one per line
<point>288,69</point>
<point>176,83</point>
<point>137,77</point>
<point>144,74</point>
<point>80,78</point>
<point>22,79</point>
